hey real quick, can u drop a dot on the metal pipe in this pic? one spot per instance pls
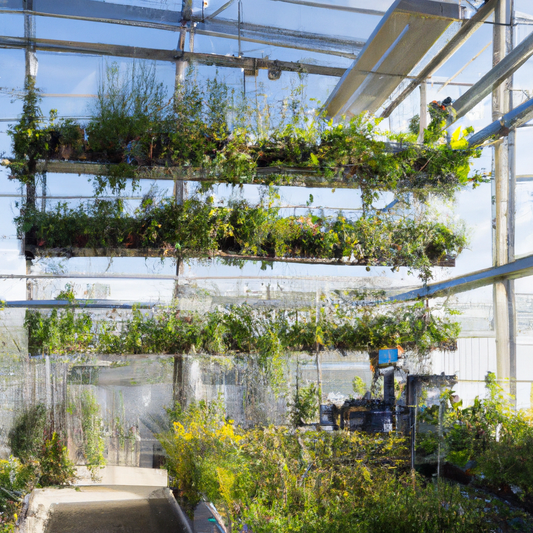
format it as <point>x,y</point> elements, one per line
<point>78,304</point>
<point>495,77</point>
<point>520,268</point>
<point>54,45</point>
<point>502,126</point>
<point>218,11</point>
<point>350,9</point>
<point>168,20</point>
<point>423,112</point>
<point>501,106</point>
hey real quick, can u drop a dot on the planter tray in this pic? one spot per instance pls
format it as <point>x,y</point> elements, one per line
<point>35,251</point>
<point>284,176</point>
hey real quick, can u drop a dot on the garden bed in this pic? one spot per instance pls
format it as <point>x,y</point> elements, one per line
<point>242,329</point>
<point>274,175</point>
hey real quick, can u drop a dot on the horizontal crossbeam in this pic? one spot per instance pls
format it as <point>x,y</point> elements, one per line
<point>520,268</point>
<point>163,19</point>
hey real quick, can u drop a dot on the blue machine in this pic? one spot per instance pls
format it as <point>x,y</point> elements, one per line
<point>388,356</point>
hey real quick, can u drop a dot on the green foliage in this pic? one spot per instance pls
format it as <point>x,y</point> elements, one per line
<point>67,293</point>
<point>414,125</point>
<point>88,411</point>
<point>129,106</point>
<point>264,335</point>
<point>276,479</point>
<point>359,386</point>
<point>64,331</point>
<point>304,406</point>
<point>16,479</point>
<point>471,431</point>
<point>199,228</point>
<point>204,458</point>
<point>205,126</point>
<point>34,441</point>
<point>26,435</point>
<point>489,437</point>
<point>56,467</point>
<point>30,137</point>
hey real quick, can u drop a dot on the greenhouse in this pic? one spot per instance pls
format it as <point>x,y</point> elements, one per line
<point>266,265</point>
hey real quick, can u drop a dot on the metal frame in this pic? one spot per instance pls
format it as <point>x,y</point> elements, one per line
<point>401,39</point>
<point>502,70</point>
<point>107,12</point>
<point>322,5</point>
<point>447,51</point>
<point>520,268</point>
<point>53,45</point>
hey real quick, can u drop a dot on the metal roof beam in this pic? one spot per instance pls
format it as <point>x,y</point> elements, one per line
<point>219,10</point>
<point>78,304</point>
<point>494,78</point>
<point>520,268</point>
<point>250,63</point>
<point>106,12</point>
<point>350,9</point>
<point>500,128</point>
<point>272,36</point>
<point>398,43</point>
<point>97,11</point>
<point>446,52</point>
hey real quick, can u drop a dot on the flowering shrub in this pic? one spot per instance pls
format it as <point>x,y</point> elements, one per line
<point>269,480</point>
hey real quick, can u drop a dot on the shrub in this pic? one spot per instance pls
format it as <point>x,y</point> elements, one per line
<point>35,442</point>
<point>276,479</point>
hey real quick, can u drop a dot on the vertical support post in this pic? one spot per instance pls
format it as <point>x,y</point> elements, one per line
<point>179,271</point>
<point>29,283</point>
<point>47,382</point>
<point>318,365</point>
<point>181,65</point>
<point>423,111</point>
<point>180,187</point>
<point>388,386</point>
<point>43,192</point>
<point>500,106</point>
<point>412,405</point>
<point>511,296</point>
<point>29,36</point>
<point>178,385</point>
<point>30,72</point>
<point>441,420</point>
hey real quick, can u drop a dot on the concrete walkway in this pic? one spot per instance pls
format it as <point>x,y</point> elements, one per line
<point>132,507</point>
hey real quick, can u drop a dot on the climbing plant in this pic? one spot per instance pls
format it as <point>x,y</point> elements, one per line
<point>86,409</point>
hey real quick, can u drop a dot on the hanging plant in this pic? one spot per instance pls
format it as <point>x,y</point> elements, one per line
<point>199,229</point>
<point>224,137</point>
